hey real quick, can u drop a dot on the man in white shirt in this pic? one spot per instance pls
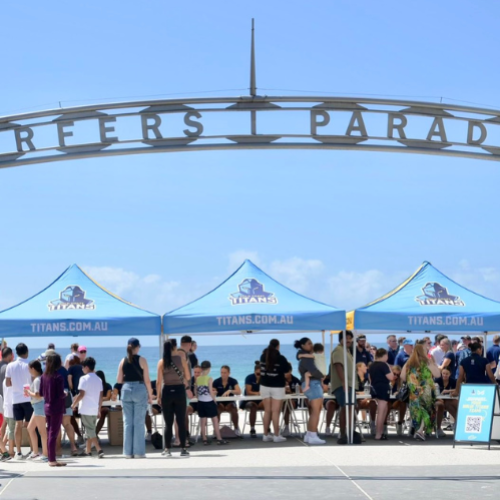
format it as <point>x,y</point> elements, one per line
<point>89,399</point>
<point>9,421</point>
<point>18,376</point>
<point>71,355</point>
<point>437,353</point>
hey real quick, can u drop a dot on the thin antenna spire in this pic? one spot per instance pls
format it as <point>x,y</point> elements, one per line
<point>253,85</point>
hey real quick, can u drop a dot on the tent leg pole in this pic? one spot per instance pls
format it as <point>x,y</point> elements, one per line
<point>346,385</point>
<point>353,388</point>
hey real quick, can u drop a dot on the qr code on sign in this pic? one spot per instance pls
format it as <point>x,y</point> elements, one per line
<point>473,424</point>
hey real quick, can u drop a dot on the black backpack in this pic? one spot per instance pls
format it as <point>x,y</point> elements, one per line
<point>157,440</point>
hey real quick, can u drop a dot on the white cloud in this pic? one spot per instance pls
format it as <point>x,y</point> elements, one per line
<point>149,292</point>
<point>298,274</point>
<point>483,280</point>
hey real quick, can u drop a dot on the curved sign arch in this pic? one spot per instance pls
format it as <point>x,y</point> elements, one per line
<point>253,122</point>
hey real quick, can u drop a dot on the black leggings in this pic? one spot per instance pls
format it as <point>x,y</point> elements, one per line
<point>173,401</point>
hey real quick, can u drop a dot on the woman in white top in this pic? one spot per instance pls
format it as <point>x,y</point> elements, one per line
<point>38,419</point>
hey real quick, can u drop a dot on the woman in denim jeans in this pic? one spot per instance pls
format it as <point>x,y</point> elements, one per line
<point>314,393</point>
<point>136,393</point>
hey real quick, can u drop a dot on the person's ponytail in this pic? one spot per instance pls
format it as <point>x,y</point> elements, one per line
<point>130,353</point>
<point>272,354</point>
<point>167,353</point>
<point>299,343</point>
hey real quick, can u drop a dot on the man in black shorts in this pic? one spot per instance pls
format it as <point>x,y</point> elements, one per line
<point>18,377</point>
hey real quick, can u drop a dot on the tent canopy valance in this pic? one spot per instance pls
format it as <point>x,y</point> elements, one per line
<point>251,301</point>
<point>428,301</point>
<point>74,304</point>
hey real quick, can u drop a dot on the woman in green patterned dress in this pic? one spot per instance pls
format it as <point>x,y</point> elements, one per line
<point>419,372</point>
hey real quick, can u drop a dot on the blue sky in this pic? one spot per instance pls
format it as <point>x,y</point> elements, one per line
<point>339,226</point>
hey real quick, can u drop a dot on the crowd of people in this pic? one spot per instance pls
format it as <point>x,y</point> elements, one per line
<point>48,397</point>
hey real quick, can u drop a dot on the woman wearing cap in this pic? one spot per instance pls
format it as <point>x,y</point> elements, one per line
<point>136,393</point>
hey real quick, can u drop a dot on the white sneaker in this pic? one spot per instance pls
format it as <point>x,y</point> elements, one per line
<point>286,431</point>
<point>441,433</point>
<point>399,429</point>
<point>306,437</point>
<point>328,431</point>
<point>279,439</point>
<point>41,458</point>
<point>148,436</point>
<point>314,439</point>
<point>32,456</point>
<point>18,456</point>
<point>238,433</point>
<point>267,439</point>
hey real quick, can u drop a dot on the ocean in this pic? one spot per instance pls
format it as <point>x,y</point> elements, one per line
<point>239,358</point>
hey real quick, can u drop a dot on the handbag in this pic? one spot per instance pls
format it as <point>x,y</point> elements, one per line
<point>403,394</point>
<point>68,400</point>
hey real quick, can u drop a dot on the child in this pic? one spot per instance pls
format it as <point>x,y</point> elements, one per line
<point>206,404</point>
<point>319,360</point>
<point>38,418</point>
<point>8,412</point>
<point>89,400</point>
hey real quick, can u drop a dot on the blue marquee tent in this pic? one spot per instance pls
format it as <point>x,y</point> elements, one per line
<point>428,301</point>
<point>251,301</point>
<point>74,304</point>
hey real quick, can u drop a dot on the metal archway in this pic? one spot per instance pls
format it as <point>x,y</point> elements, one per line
<point>178,125</point>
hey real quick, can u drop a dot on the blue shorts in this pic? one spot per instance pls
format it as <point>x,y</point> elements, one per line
<point>69,412</point>
<point>38,409</point>
<point>339,394</point>
<point>315,390</point>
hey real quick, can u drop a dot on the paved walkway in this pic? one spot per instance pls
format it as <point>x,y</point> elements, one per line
<point>401,468</point>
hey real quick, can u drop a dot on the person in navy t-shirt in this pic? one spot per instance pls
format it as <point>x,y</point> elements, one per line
<point>447,384</point>
<point>392,349</point>
<point>449,360</point>
<point>493,353</point>
<point>227,386</point>
<point>475,369</point>
<point>252,388</point>
<point>362,355</point>
<point>404,355</point>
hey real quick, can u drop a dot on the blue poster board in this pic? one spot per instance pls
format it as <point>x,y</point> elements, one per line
<point>475,413</point>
